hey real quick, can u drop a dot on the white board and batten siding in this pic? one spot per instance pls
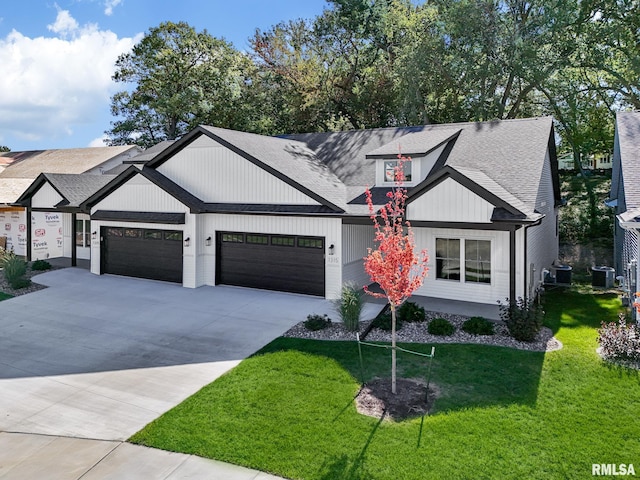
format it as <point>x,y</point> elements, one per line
<point>450,201</point>
<point>542,239</point>
<point>45,197</point>
<point>356,239</point>
<point>216,174</point>
<point>328,228</point>
<point>141,195</point>
<point>497,290</point>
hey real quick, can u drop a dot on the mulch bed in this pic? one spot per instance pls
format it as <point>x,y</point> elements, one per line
<point>411,400</point>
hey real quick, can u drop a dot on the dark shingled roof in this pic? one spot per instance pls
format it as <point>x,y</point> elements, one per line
<point>345,153</point>
<point>628,130</point>
<point>416,144</point>
<point>505,156</point>
<point>77,188</point>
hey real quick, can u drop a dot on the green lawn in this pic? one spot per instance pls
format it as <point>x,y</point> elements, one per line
<point>503,413</point>
<point>5,296</point>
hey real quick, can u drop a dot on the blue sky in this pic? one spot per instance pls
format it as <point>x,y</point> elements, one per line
<point>57,57</point>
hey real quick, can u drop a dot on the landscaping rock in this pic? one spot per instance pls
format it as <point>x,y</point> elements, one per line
<point>417,333</point>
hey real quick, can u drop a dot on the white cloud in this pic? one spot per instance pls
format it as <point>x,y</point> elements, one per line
<point>98,142</point>
<point>48,85</point>
<point>109,5</point>
<point>65,24</point>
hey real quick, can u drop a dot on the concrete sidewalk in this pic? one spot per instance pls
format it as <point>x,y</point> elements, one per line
<point>29,456</point>
<point>89,361</point>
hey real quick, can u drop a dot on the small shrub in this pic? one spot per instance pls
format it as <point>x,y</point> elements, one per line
<point>317,322</point>
<point>619,340</point>
<point>441,326</point>
<point>349,306</point>
<point>19,283</point>
<point>478,326</point>
<point>522,318</point>
<point>40,265</point>
<point>383,321</point>
<point>411,312</point>
<point>14,268</point>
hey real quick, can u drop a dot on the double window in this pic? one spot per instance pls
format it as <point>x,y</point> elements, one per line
<point>468,259</point>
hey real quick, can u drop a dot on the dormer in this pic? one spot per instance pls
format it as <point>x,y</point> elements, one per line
<point>423,147</point>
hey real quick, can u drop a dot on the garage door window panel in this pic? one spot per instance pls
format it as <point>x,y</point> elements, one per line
<point>283,241</point>
<point>310,243</point>
<point>258,239</point>
<point>233,237</point>
<point>173,236</point>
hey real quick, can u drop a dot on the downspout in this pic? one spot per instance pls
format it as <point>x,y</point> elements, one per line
<point>29,227</point>
<point>525,258</point>
<point>512,264</point>
<point>525,255</point>
<point>74,247</point>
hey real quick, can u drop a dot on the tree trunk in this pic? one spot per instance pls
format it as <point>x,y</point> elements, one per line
<point>393,349</point>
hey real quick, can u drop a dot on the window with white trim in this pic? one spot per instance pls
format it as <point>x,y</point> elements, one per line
<point>448,258</point>
<point>468,260</point>
<point>477,261</point>
<point>390,170</point>
<point>83,233</point>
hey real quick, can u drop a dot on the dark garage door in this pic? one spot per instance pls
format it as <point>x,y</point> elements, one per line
<point>285,263</point>
<point>144,253</point>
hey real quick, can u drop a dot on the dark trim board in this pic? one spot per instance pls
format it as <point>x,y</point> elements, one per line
<point>502,226</point>
<point>267,209</point>
<point>45,210</point>
<point>139,217</point>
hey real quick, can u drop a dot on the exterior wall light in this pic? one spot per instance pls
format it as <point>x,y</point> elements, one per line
<point>94,235</point>
<point>332,249</point>
<point>208,241</point>
<point>187,241</point>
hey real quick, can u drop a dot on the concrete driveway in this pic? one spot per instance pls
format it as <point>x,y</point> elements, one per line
<point>99,357</point>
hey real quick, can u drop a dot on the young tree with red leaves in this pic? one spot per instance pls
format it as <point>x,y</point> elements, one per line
<point>394,265</point>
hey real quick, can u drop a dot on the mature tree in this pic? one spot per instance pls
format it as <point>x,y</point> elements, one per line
<point>179,78</point>
<point>4,148</point>
<point>611,48</point>
<point>336,72</point>
<point>394,265</point>
<point>482,60</point>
